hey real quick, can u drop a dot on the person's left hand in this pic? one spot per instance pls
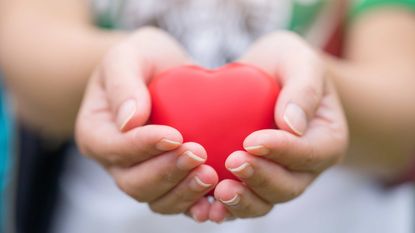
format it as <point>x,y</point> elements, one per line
<point>279,164</point>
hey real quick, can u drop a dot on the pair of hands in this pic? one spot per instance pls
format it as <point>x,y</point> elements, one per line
<point>152,164</point>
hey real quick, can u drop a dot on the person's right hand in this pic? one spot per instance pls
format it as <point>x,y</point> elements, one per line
<point>148,162</point>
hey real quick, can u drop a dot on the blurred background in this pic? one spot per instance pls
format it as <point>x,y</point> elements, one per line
<point>49,49</point>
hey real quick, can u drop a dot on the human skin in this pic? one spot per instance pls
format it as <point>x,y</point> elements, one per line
<point>311,138</point>
<point>49,104</point>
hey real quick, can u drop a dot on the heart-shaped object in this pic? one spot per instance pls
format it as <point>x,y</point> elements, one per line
<point>215,108</point>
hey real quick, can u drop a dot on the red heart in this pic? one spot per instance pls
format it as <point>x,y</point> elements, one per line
<point>216,108</point>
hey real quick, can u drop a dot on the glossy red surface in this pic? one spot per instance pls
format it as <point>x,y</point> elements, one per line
<point>216,108</point>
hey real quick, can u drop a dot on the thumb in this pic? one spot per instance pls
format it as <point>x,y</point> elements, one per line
<point>125,88</point>
<point>299,70</point>
<point>302,90</point>
<point>128,68</point>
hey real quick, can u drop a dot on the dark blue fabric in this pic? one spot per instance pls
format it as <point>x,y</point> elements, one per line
<point>39,167</point>
<point>5,157</point>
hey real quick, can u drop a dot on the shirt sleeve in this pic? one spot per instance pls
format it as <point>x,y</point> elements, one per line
<point>360,6</point>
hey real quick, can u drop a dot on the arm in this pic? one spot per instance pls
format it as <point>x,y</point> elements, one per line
<point>376,84</point>
<point>48,50</point>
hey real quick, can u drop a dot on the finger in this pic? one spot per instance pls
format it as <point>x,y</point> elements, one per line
<point>178,200</point>
<point>299,70</point>
<point>321,147</point>
<point>269,180</point>
<point>153,178</point>
<point>286,149</point>
<point>219,213</point>
<point>200,210</point>
<point>126,90</point>
<point>302,91</point>
<point>98,137</point>
<point>129,66</point>
<point>240,201</point>
<point>101,140</point>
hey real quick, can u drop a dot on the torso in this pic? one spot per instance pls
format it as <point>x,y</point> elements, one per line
<point>216,32</point>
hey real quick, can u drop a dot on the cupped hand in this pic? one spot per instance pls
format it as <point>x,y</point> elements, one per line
<point>279,164</point>
<point>148,162</point>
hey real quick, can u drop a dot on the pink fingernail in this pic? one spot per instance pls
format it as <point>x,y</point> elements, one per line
<point>189,160</point>
<point>167,144</point>
<point>233,201</point>
<point>125,113</point>
<point>259,150</point>
<point>243,171</point>
<point>194,157</point>
<point>295,118</point>
<point>198,185</point>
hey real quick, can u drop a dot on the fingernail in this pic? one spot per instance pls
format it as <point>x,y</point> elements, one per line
<point>233,201</point>
<point>198,185</point>
<point>167,144</point>
<point>257,150</point>
<point>295,118</point>
<point>194,156</point>
<point>243,171</point>
<point>189,160</point>
<point>194,216</point>
<point>125,113</point>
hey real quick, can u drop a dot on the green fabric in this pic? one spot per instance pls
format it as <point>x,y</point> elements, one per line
<point>105,22</point>
<point>304,15</point>
<point>361,6</point>
<point>109,18</point>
